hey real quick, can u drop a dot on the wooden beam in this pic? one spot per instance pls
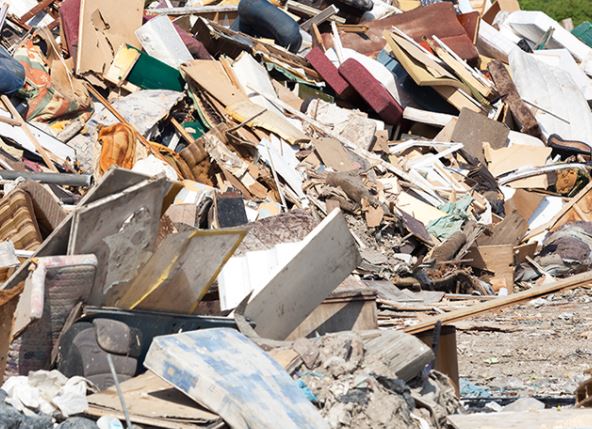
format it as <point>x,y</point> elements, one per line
<point>199,10</point>
<point>319,18</point>
<point>579,280</point>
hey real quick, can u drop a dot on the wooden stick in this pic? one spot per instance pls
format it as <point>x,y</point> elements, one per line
<point>579,280</point>
<point>182,131</point>
<point>25,126</point>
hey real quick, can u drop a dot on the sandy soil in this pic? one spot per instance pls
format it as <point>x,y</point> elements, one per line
<point>542,348</point>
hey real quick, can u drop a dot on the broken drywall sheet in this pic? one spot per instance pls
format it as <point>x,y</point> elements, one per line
<point>160,39</point>
<point>328,255</point>
<point>251,272</point>
<point>120,230</point>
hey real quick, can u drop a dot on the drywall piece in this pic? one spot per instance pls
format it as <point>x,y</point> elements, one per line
<point>48,142</point>
<point>160,39</point>
<point>105,25</point>
<point>230,375</point>
<point>562,59</point>
<point>142,109</point>
<point>556,418</point>
<point>180,271</point>
<point>334,154</point>
<point>533,26</point>
<point>251,272</point>
<point>151,401</point>
<point>120,230</point>
<point>124,61</point>
<point>329,254</point>
<point>555,99</point>
<point>281,157</point>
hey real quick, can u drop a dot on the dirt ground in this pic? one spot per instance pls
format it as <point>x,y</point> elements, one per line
<point>541,348</point>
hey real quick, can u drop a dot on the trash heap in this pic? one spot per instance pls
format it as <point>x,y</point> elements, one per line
<point>270,214</point>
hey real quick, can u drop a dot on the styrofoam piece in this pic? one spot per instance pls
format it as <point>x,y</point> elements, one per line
<point>160,39</point>
<point>532,25</point>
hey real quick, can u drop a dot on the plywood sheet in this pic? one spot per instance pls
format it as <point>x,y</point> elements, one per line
<point>181,271</point>
<point>105,25</point>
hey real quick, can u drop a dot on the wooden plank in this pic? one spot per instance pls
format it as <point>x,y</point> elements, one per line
<point>328,256</point>
<point>151,401</point>
<point>197,10</point>
<point>333,154</point>
<point>498,259</point>
<point>349,310</point>
<point>181,270</point>
<point>555,418</point>
<point>230,375</point>
<point>578,280</point>
<point>319,18</point>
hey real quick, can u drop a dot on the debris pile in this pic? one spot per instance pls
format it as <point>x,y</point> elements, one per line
<point>263,214</point>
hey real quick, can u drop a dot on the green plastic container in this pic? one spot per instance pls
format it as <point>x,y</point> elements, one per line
<point>584,32</point>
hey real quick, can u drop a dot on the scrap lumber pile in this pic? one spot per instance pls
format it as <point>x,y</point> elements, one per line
<point>259,214</point>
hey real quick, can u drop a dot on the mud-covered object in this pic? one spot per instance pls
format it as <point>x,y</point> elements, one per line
<point>357,385</point>
<point>566,251</point>
<point>572,242</point>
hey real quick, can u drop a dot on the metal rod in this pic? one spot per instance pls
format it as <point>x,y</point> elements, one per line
<point>50,178</point>
<point>119,392</point>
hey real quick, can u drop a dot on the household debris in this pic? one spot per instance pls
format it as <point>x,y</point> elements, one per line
<point>242,212</point>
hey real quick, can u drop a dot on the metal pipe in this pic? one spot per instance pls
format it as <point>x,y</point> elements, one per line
<point>50,178</point>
